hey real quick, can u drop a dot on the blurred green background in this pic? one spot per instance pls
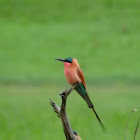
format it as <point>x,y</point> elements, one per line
<point>103,35</point>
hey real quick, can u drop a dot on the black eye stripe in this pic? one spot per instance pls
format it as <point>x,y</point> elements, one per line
<point>67,61</point>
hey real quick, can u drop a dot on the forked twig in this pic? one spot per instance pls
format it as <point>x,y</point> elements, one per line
<point>61,112</point>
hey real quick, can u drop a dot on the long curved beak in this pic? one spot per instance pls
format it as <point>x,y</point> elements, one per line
<point>60,60</point>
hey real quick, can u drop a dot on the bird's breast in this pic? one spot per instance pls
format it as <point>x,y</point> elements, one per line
<point>71,75</point>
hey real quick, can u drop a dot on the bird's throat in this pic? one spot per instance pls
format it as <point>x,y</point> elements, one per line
<point>66,65</point>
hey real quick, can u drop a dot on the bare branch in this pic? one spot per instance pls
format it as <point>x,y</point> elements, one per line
<point>66,126</point>
<point>64,96</point>
<point>55,107</point>
<point>61,112</point>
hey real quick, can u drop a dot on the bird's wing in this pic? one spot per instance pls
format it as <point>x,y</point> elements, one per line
<point>81,76</point>
<point>81,89</point>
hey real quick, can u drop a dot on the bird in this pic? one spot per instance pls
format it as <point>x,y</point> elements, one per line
<point>74,74</point>
<point>76,135</point>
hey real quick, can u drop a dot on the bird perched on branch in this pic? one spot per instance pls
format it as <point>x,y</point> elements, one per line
<point>74,74</point>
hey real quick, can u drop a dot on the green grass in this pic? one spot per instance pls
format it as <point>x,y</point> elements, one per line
<point>25,113</point>
<point>102,35</point>
<point>29,53</point>
<point>51,11</point>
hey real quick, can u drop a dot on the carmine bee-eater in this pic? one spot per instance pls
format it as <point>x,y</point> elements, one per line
<point>74,74</point>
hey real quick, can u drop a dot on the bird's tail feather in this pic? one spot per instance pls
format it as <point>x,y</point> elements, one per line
<point>80,88</point>
<point>102,126</point>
